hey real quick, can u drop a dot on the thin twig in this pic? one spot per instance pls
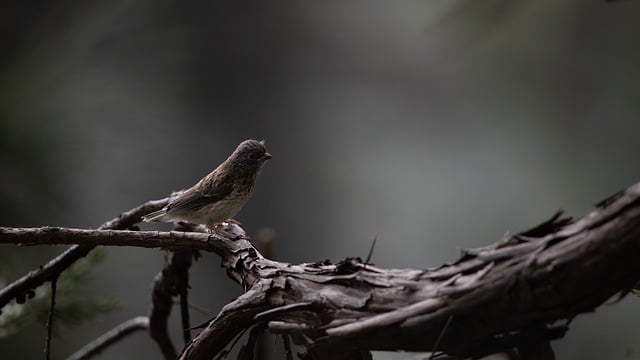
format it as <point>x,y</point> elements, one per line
<point>373,246</point>
<point>47,344</point>
<point>248,350</point>
<point>111,337</point>
<point>233,344</point>
<point>184,312</point>
<point>441,336</point>
<point>197,308</point>
<point>287,346</point>
<point>177,275</point>
<point>281,309</point>
<point>201,310</point>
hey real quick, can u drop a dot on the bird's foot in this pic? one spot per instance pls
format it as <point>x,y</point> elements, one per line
<point>230,229</point>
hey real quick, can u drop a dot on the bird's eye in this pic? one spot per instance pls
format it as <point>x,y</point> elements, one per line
<point>252,156</point>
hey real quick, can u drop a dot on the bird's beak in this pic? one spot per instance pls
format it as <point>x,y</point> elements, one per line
<point>266,156</point>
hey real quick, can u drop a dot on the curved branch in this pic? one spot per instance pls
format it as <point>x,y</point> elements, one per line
<point>110,337</point>
<point>233,319</point>
<point>171,281</point>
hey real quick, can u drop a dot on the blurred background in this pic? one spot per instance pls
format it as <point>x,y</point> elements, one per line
<point>432,126</point>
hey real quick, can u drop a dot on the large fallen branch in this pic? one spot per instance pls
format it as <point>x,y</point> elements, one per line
<point>512,294</point>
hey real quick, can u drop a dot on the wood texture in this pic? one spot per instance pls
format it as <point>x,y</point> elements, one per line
<point>512,296</point>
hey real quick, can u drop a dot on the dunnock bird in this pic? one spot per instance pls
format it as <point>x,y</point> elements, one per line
<point>221,194</point>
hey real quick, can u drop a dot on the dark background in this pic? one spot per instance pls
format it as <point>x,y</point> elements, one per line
<point>432,126</point>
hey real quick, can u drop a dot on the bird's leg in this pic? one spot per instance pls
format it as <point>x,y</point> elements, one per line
<point>234,221</point>
<point>186,226</point>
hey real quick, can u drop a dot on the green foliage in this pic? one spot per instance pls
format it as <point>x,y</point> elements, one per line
<point>71,308</point>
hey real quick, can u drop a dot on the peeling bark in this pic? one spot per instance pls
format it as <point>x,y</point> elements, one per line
<point>513,296</point>
<point>538,279</point>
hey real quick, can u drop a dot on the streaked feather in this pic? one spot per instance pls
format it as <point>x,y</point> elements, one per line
<point>155,216</point>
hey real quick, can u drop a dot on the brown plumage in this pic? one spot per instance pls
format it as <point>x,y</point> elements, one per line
<point>221,194</point>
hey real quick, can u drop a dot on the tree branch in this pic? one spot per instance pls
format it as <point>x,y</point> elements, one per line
<point>52,306</point>
<point>111,337</point>
<point>171,240</point>
<point>504,296</point>
<point>57,265</point>
<point>496,294</point>
<point>173,280</point>
<point>248,350</point>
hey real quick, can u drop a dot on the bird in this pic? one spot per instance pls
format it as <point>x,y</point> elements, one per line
<point>222,193</point>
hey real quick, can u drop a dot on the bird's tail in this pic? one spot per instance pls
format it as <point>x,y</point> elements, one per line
<point>155,216</point>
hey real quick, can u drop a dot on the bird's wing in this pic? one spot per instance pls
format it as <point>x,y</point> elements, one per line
<point>201,195</point>
<point>155,216</point>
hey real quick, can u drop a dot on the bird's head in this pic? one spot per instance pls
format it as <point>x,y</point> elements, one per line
<point>249,156</point>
